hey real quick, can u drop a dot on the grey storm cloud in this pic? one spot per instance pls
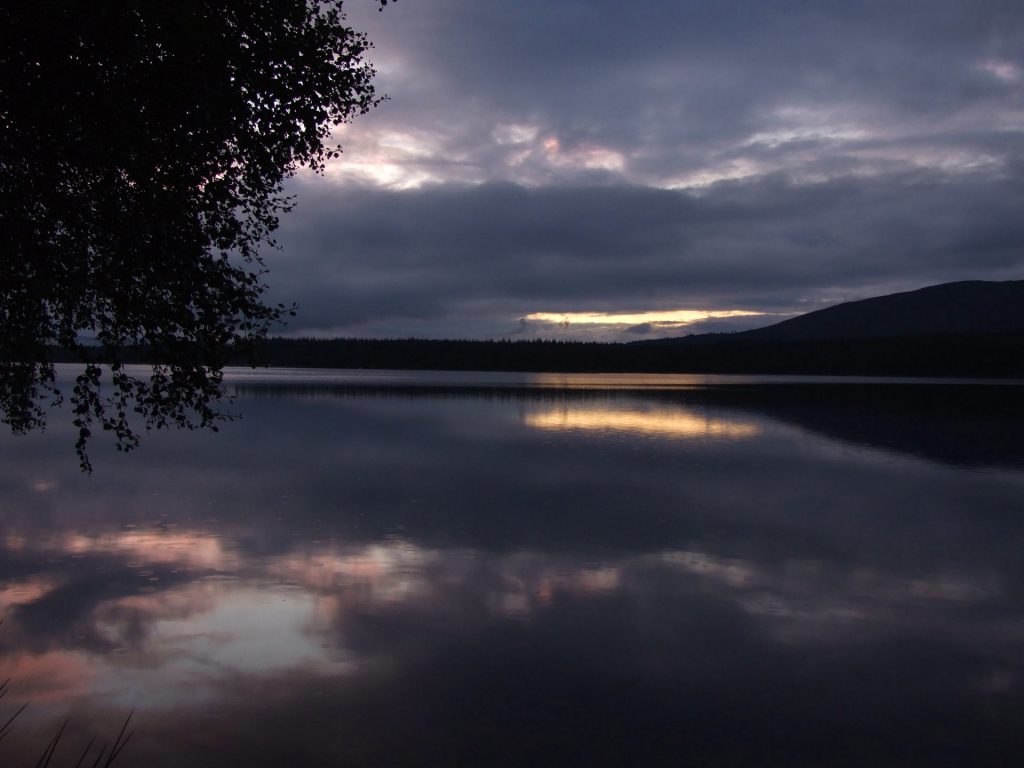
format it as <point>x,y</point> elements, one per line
<point>678,80</point>
<point>439,253</point>
<point>623,157</point>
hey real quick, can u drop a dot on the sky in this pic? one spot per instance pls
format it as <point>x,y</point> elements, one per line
<point>608,170</point>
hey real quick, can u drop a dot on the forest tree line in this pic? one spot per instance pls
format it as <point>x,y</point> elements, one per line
<point>966,355</point>
<point>949,355</point>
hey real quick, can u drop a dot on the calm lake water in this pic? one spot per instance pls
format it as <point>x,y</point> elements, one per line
<point>496,569</point>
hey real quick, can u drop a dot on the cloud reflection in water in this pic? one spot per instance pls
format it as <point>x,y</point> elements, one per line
<point>369,580</point>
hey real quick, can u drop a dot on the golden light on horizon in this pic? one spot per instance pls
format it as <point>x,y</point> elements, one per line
<point>662,422</point>
<point>663,317</point>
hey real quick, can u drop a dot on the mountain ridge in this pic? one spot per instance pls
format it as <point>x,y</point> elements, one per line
<point>963,307</point>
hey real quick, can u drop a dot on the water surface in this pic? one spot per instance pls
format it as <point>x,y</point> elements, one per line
<point>403,569</point>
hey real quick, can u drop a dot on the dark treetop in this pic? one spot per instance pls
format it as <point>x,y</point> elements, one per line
<point>143,148</point>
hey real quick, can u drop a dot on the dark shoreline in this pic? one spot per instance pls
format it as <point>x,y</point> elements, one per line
<point>973,355</point>
<point>957,355</point>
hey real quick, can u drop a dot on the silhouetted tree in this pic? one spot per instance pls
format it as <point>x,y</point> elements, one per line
<point>143,147</point>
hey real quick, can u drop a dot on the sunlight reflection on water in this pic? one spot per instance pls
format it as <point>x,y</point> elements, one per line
<point>666,422</point>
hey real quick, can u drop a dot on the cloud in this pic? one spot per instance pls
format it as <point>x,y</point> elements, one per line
<point>671,91</point>
<point>605,156</point>
<point>470,260</point>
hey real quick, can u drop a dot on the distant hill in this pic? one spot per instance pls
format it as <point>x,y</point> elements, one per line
<point>968,307</point>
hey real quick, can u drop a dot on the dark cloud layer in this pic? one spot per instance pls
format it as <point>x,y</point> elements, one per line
<point>613,157</point>
<point>370,260</point>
